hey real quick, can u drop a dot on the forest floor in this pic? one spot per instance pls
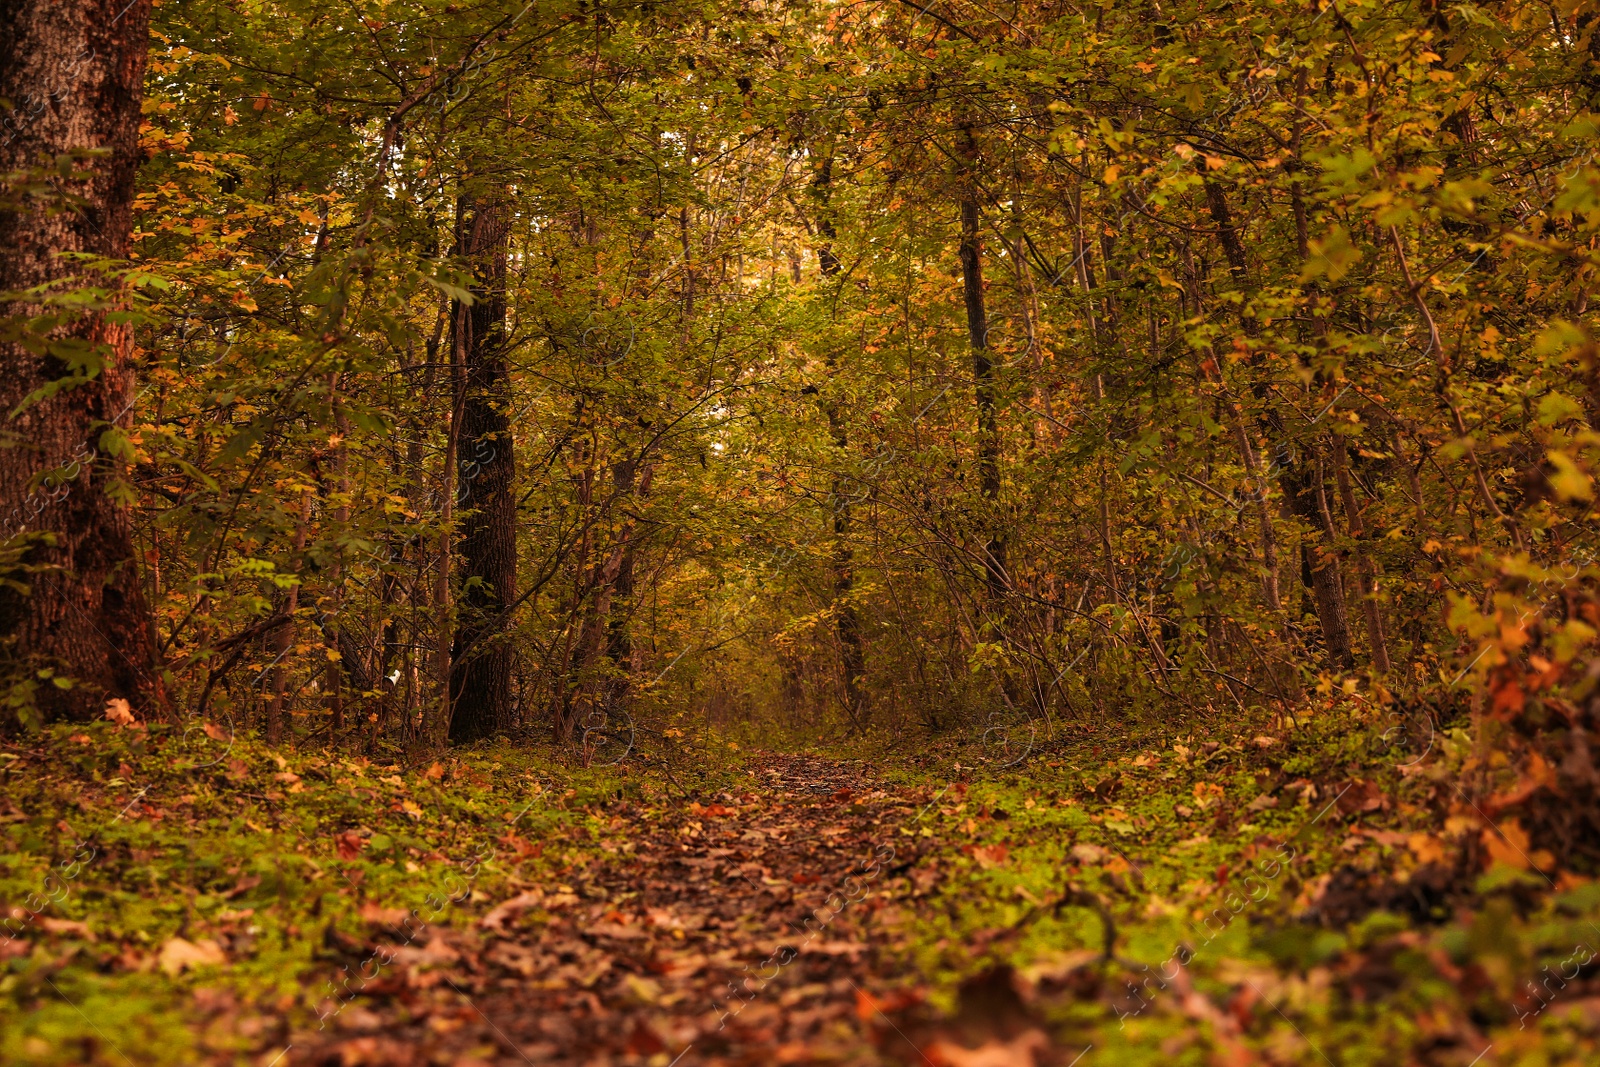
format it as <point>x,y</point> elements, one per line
<point>1302,897</point>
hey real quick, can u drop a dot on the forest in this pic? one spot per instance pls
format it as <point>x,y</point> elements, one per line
<point>640,533</point>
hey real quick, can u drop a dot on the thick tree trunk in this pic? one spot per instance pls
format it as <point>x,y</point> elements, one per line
<point>74,70</point>
<point>480,671</point>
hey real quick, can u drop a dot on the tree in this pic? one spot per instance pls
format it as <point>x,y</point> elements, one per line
<point>72,74</point>
<point>480,663</point>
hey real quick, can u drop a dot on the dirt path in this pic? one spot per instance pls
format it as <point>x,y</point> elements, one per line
<point>751,929</point>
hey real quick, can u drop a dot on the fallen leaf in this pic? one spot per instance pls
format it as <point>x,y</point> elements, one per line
<point>507,910</point>
<point>1020,1051</point>
<point>381,916</point>
<point>1358,796</point>
<point>178,955</point>
<point>1057,966</point>
<point>1087,853</point>
<point>66,926</point>
<point>349,843</point>
<point>644,1041</point>
<point>120,712</point>
<point>990,856</point>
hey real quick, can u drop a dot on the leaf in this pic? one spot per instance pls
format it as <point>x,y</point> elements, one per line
<point>1507,844</point>
<point>178,955</point>
<point>1020,1051</point>
<point>349,844</point>
<point>990,856</point>
<point>242,442</point>
<point>1087,853</point>
<point>1568,480</point>
<point>1359,796</point>
<point>120,712</point>
<point>66,926</point>
<point>449,289</point>
<point>1426,848</point>
<point>507,910</point>
<point>1330,256</point>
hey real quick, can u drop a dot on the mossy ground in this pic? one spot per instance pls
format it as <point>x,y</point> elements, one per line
<point>174,900</point>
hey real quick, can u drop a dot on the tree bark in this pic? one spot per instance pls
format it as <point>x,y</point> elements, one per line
<point>283,639</point>
<point>480,672</point>
<point>994,557</point>
<point>847,622</point>
<point>1302,483</point>
<point>1366,573</point>
<point>74,71</point>
<point>619,634</point>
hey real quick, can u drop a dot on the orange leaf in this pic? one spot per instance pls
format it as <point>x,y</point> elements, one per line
<point>989,856</point>
<point>1508,846</point>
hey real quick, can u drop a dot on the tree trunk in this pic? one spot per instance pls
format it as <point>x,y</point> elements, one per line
<point>480,671</point>
<point>847,622</point>
<point>74,71</point>
<point>1302,487</point>
<point>283,639</point>
<point>994,558</point>
<point>619,634</point>
<point>1366,573</point>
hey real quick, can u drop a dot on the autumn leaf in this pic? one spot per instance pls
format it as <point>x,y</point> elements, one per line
<point>1507,844</point>
<point>990,856</point>
<point>349,844</point>
<point>179,955</point>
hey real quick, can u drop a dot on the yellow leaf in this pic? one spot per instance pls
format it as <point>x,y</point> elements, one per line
<point>1568,481</point>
